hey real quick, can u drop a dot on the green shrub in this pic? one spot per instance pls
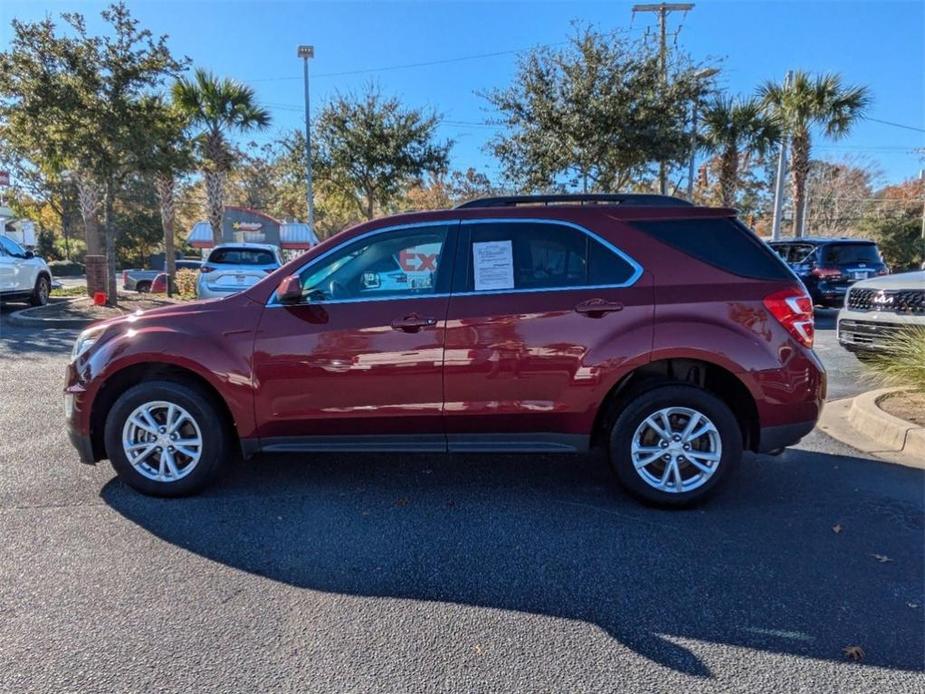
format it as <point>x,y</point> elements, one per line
<point>65,268</point>
<point>903,362</point>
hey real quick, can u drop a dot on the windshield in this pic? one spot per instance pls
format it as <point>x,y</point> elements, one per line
<point>847,253</point>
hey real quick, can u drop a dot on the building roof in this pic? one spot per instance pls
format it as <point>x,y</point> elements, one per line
<point>200,235</point>
<point>293,235</point>
<point>256,213</point>
<point>297,235</point>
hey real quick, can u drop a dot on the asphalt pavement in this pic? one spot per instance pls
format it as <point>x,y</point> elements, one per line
<point>450,573</point>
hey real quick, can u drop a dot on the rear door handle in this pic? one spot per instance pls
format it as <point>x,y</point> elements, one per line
<point>595,308</point>
<point>413,322</point>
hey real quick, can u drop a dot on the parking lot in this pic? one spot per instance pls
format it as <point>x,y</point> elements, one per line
<point>450,573</point>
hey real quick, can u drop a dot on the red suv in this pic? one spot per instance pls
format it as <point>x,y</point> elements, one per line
<point>670,334</point>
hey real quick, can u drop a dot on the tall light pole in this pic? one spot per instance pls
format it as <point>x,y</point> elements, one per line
<point>704,74</point>
<point>306,52</point>
<point>663,9</point>
<point>781,175</point>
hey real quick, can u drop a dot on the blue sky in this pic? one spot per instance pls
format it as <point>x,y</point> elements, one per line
<point>881,44</point>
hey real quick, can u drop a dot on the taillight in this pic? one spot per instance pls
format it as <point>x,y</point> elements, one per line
<point>793,309</point>
<point>826,272</point>
<point>205,268</point>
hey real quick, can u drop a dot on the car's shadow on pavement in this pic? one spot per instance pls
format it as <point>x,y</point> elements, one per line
<point>759,566</point>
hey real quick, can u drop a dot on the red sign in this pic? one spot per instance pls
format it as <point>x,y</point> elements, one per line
<point>4,178</point>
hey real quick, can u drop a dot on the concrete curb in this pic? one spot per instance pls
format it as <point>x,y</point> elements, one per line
<point>860,423</point>
<point>25,320</point>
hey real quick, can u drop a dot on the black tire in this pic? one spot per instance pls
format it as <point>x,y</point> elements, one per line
<point>41,291</point>
<point>649,402</point>
<point>215,437</point>
<point>143,287</point>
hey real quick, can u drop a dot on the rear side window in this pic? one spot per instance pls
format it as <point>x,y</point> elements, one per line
<point>848,253</point>
<point>531,255</point>
<point>242,256</point>
<point>721,242</point>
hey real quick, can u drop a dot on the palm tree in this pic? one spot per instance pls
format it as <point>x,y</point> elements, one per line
<point>218,106</point>
<point>807,102</point>
<point>732,128</point>
<point>169,155</point>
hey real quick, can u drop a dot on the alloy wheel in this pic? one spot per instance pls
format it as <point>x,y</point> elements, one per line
<point>676,449</point>
<point>162,441</point>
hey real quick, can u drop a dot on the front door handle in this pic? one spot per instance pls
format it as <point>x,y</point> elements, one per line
<point>595,308</point>
<point>413,322</point>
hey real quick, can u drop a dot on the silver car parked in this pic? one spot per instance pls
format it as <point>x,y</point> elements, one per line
<point>233,267</point>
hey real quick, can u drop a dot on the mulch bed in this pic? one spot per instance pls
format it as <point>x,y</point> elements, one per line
<point>83,308</point>
<point>906,405</point>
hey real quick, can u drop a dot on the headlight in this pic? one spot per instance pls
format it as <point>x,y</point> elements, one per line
<point>84,341</point>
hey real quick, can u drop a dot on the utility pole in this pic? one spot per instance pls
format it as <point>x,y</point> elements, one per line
<point>663,9</point>
<point>306,52</point>
<point>781,175</point>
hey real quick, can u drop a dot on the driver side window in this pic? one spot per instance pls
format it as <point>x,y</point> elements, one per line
<point>393,264</point>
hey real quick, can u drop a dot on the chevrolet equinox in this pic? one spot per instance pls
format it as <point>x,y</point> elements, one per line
<point>667,333</point>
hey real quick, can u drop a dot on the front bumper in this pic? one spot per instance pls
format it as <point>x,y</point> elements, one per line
<point>872,331</point>
<point>83,445</point>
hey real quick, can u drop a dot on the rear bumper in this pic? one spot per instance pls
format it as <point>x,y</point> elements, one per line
<point>831,297</point>
<point>783,435</point>
<point>204,291</point>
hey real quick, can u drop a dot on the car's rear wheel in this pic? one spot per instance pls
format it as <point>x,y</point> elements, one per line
<point>674,444</point>
<point>165,438</point>
<point>143,287</point>
<point>41,291</point>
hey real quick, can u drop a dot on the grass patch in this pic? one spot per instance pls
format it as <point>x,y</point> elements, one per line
<point>903,362</point>
<point>69,291</point>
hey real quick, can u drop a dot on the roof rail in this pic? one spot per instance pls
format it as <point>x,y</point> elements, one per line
<point>627,199</point>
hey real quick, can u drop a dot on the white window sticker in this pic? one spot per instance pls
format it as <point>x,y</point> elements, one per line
<point>494,265</point>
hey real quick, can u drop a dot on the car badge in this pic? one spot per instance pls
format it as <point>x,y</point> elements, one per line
<point>882,298</point>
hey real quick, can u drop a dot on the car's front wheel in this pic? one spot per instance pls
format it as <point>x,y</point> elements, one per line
<point>40,292</point>
<point>165,438</point>
<point>672,445</point>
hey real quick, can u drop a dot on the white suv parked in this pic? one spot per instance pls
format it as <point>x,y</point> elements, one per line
<point>23,276</point>
<point>878,308</point>
<point>233,267</point>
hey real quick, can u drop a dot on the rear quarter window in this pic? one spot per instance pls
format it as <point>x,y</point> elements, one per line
<point>721,242</point>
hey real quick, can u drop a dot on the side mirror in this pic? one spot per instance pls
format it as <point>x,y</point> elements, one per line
<point>289,290</point>
<point>29,255</point>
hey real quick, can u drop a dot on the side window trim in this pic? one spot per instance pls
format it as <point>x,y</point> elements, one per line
<point>450,246</point>
<point>461,269</point>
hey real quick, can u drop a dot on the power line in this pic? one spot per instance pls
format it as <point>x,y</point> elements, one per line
<point>406,66</point>
<point>897,125</point>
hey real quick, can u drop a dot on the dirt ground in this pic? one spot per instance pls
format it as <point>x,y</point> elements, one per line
<point>906,405</point>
